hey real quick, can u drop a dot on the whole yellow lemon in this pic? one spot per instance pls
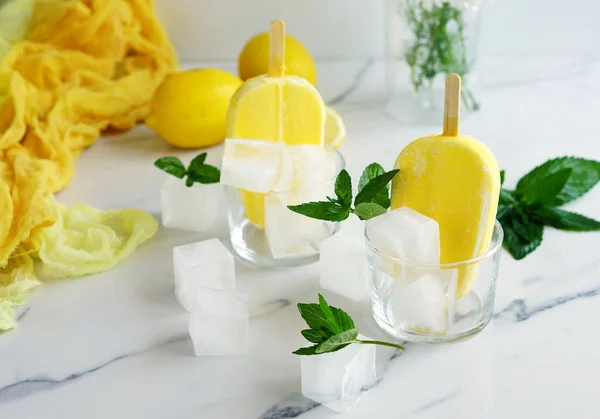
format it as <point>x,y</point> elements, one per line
<point>189,109</point>
<point>254,58</point>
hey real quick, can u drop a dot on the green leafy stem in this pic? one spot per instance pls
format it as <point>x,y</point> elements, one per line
<point>372,198</point>
<point>438,45</point>
<point>534,203</point>
<point>197,171</point>
<point>330,329</point>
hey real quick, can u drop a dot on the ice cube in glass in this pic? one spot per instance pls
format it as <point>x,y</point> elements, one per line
<point>339,379</point>
<point>252,165</point>
<point>406,234</point>
<point>425,305</point>
<point>290,234</point>
<point>194,208</point>
<point>312,166</point>
<point>206,264</point>
<point>219,323</point>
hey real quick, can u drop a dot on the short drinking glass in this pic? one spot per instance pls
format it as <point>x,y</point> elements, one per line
<point>434,303</point>
<point>265,232</point>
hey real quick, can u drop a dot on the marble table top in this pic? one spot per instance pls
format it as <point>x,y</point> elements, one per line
<point>115,345</point>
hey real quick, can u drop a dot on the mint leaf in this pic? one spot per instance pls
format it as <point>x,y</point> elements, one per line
<point>171,165</point>
<point>328,211</point>
<point>311,350</point>
<point>521,236</point>
<point>204,173</point>
<point>366,211</point>
<point>507,198</point>
<point>527,228</point>
<point>371,171</point>
<point>315,318</point>
<point>342,318</point>
<point>503,210</point>
<point>189,182</point>
<point>198,160</point>
<point>586,174</point>
<point>333,325</point>
<point>343,188</point>
<point>543,190</point>
<point>322,320</point>
<point>374,187</point>
<point>565,220</point>
<point>382,199</point>
<point>337,342</point>
<point>315,336</point>
<point>501,177</point>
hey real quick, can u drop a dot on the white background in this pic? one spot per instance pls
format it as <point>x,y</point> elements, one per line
<point>216,30</point>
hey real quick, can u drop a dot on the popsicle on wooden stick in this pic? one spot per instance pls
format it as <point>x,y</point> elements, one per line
<point>275,107</point>
<point>455,180</point>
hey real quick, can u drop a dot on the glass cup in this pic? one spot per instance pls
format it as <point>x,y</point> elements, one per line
<point>426,41</point>
<point>434,303</point>
<point>265,232</point>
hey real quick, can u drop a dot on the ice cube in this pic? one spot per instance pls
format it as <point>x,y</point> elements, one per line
<point>290,234</point>
<point>313,165</point>
<point>339,379</point>
<point>195,208</point>
<point>425,305</point>
<point>219,323</point>
<point>252,165</point>
<point>206,264</point>
<point>406,234</point>
<point>343,262</point>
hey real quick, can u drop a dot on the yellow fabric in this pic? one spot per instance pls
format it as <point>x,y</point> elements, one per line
<point>85,240</point>
<point>85,66</point>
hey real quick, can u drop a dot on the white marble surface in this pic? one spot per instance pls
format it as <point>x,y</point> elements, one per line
<point>116,345</point>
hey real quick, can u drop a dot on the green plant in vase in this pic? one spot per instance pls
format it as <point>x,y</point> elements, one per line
<point>438,45</point>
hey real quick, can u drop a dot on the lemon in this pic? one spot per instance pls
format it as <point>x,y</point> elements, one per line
<point>254,58</point>
<point>335,130</point>
<point>189,109</point>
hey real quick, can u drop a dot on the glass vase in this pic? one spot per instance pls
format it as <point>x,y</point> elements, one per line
<point>426,41</point>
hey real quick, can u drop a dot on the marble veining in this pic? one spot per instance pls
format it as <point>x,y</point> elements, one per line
<point>435,402</point>
<point>292,407</point>
<point>519,310</point>
<point>23,314</point>
<point>358,78</point>
<point>30,386</point>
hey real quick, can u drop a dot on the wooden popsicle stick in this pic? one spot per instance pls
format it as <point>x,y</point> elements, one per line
<point>452,105</point>
<point>277,49</point>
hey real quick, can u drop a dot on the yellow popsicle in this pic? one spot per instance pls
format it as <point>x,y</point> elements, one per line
<point>455,180</point>
<point>275,107</point>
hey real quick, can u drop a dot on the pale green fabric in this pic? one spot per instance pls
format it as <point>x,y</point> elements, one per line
<point>15,17</point>
<point>85,240</point>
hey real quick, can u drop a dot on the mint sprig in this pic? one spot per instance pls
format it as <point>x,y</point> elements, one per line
<point>331,329</point>
<point>196,172</point>
<point>372,198</point>
<point>525,211</point>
